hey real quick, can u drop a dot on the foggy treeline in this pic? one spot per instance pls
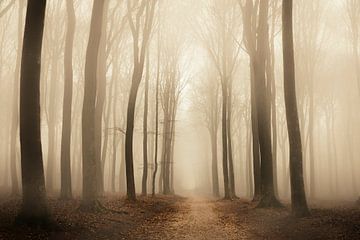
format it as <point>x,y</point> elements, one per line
<point>150,97</point>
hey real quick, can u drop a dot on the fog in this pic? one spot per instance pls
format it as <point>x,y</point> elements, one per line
<point>190,49</point>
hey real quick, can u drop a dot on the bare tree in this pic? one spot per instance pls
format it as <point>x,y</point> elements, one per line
<point>66,188</point>
<point>34,207</point>
<point>298,198</point>
<point>15,112</point>
<point>90,167</point>
<point>141,9</point>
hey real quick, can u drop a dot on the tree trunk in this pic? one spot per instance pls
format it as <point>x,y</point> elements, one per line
<point>15,189</point>
<point>214,163</point>
<point>90,162</point>
<point>51,153</point>
<point>34,207</point>
<point>100,100</point>
<point>145,130</point>
<point>230,151</point>
<point>156,125</point>
<point>298,198</point>
<point>263,113</point>
<point>225,139</point>
<point>66,188</point>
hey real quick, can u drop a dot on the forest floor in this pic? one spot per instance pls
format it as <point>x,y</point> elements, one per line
<point>173,217</point>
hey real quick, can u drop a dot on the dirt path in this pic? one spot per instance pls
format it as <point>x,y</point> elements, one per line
<point>174,217</point>
<point>194,219</point>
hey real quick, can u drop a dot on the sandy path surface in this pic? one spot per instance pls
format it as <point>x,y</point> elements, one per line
<point>194,218</point>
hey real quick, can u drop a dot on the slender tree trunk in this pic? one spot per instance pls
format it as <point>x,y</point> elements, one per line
<point>312,184</point>
<point>298,198</point>
<point>156,124</point>
<point>100,100</point>
<point>51,153</point>
<point>34,207</point>
<point>230,151</point>
<point>15,189</point>
<point>90,162</point>
<point>66,188</point>
<point>145,130</point>
<point>225,139</point>
<point>214,162</point>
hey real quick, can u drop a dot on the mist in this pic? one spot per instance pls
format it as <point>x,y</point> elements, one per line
<point>201,105</point>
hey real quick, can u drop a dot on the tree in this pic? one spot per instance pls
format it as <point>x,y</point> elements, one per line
<point>249,12</point>
<point>268,198</point>
<point>145,128</point>
<point>298,198</point>
<point>34,207</point>
<point>90,173</point>
<point>100,99</point>
<point>141,9</point>
<point>66,189</point>
<point>15,112</point>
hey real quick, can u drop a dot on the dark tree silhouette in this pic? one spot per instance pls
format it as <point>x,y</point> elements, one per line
<point>267,198</point>
<point>34,207</point>
<point>298,198</point>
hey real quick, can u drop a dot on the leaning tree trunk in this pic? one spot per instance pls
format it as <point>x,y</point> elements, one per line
<point>15,190</point>
<point>66,189</point>
<point>89,202</point>
<point>34,208</point>
<point>298,199</point>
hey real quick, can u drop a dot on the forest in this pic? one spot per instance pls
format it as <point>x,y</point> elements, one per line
<point>166,119</point>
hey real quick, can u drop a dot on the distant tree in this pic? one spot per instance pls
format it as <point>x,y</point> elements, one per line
<point>145,127</point>
<point>298,198</point>
<point>249,11</point>
<point>34,207</point>
<point>144,12</point>
<point>66,189</point>
<point>90,177</point>
<point>15,190</point>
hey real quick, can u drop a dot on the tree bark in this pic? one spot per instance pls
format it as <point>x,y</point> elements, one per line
<point>66,188</point>
<point>268,198</point>
<point>15,189</point>
<point>145,130</point>
<point>298,198</point>
<point>34,207</point>
<point>90,177</point>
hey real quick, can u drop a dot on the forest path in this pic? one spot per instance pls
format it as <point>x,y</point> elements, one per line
<point>194,218</point>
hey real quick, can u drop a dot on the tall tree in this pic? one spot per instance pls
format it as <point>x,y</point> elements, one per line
<point>145,127</point>
<point>34,207</point>
<point>90,167</point>
<point>249,12</point>
<point>268,198</point>
<point>143,9</point>
<point>66,189</point>
<point>298,198</point>
<point>15,190</point>
<point>100,99</point>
